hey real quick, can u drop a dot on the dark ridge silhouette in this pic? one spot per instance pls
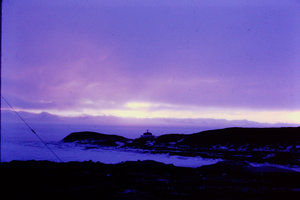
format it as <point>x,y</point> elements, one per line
<point>239,136</point>
<point>234,137</point>
<point>272,145</point>
<point>169,138</point>
<point>88,137</point>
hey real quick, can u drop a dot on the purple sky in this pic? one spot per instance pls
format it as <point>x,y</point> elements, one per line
<point>233,60</point>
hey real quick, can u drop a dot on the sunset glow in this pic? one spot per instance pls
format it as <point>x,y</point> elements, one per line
<point>152,59</point>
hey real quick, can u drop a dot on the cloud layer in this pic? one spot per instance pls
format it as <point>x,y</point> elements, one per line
<point>92,58</point>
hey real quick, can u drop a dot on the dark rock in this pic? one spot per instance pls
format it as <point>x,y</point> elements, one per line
<point>145,180</point>
<point>239,144</point>
<point>230,167</point>
<point>169,139</point>
<point>143,143</point>
<point>254,137</point>
<point>88,137</point>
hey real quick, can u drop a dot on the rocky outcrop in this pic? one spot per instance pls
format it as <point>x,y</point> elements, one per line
<point>246,138</point>
<point>87,137</point>
<point>239,139</point>
<point>273,145</point>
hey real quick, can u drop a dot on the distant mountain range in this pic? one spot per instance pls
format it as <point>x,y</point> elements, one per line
<point>44,117</point>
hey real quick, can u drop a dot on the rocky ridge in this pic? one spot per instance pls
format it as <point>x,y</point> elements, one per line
<point>274,145</point>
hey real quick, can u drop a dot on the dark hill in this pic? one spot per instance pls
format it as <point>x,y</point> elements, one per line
<point>240,136</point>
<point>272,138</point>
<point>169,138</point>
<point>88,137</point>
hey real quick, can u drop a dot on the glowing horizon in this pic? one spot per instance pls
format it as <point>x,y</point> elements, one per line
<point>154,59</point>
<point>146,110</point>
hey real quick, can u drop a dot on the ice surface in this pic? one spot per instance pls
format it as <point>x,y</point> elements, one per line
<point>18,143</point>
<point>294,168</point>
<point>71,152</point>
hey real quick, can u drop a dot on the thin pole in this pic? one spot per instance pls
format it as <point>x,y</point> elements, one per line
<point>0,78</point>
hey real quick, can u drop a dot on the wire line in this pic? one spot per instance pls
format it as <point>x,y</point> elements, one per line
<point>32,130</point>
